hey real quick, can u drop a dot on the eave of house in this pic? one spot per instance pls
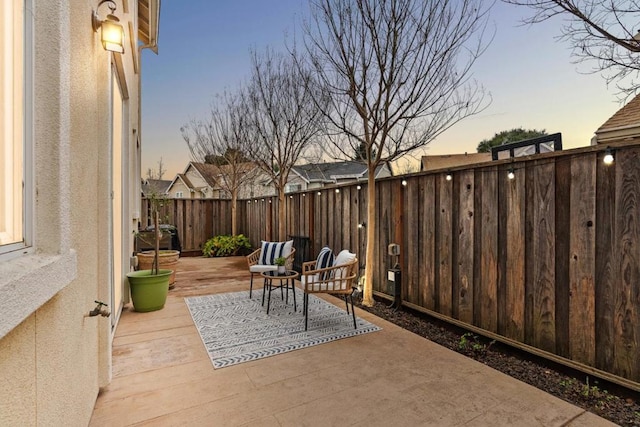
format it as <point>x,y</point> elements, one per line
<point>148,23</point>
<point>620,133</point>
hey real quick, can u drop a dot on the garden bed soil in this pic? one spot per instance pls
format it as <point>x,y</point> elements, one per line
<point>610,401</point>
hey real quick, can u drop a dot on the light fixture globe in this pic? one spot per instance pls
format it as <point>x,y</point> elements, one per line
<point>111,32</point>
<point>608,156</point>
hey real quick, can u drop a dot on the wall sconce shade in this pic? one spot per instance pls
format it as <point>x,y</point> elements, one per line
<point>449,177</point>
<point>404,182</point>
<point>511,174</point>
<point>112,33</point>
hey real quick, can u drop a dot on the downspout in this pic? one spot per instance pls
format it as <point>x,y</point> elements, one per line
<point>153,45</point>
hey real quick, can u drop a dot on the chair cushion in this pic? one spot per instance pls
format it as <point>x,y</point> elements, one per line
<point>325,260</point>
<point>344,257</point>
<point>318,286</point>
<point>269,251</point>
<point>304,279</point>
<point>257,268</point>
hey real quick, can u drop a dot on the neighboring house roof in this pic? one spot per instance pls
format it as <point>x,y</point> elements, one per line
<point>332,172</point>
<point>444,161</point>
<point>157,186</point>
<point>624,125</point>
<point>207,171</point>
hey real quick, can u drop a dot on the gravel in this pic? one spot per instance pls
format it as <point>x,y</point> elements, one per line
<point>610,401</point>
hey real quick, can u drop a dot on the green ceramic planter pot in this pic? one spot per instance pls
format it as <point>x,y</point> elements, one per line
<point>149,291</point>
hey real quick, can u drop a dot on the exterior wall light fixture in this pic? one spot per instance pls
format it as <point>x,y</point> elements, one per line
<point>511,174</point>
<point>608,156</point>
<point>112,33</point>
<point>449,177</point>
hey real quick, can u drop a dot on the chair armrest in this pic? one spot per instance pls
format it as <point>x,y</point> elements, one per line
<point>253,257</point>
<point>313,276</point>
<point>289,262</point>
<point>308,266</point>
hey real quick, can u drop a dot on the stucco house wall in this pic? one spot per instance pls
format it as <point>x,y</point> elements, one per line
<point>54,359</point>
<point>195,177</point>
<point>179,186</point>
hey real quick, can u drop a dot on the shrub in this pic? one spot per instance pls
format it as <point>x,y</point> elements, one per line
<point>225,245</point>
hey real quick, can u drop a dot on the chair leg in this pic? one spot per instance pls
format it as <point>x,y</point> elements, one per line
<point>251,286</point>
<point>269,299</point>
<point>293,288</point>
<point>355,326</point>
<point>346,303</point>
<point>306,310</point>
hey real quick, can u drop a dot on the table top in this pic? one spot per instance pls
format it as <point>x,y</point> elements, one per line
<point>275,275</point>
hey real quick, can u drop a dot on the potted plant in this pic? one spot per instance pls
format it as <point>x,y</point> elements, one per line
<point>149,287</point>
<point>167,258</point>
<point>280,261</point>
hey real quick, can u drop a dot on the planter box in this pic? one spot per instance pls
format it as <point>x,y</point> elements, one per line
<point>167,259</point>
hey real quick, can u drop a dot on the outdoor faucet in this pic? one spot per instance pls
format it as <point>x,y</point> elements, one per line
<point>101,309</point>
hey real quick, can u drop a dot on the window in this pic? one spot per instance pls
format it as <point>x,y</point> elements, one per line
<point>290,188</point>
<point>14,129</point>
<point>178,194</point>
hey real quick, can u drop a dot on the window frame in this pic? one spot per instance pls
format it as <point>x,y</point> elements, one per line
<point>11,250</point>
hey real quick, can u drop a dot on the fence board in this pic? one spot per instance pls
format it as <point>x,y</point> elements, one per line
<point>384,205</point>
<point>511,307</point>
<point>627,269</point>
<point>362,235</point>
<point>345,196</point>
<point>487,248</point>
<point>426,238</point>
<point>582,261</point>
<point>605,249</point>
<point>411,241</point>
<point>564,187</point>
<point>445,245</point>
<point>540,279</point>
<point>464,267</point>
<point>354,220</point>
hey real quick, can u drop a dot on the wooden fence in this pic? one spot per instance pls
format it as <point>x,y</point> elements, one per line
<point>549,260</point>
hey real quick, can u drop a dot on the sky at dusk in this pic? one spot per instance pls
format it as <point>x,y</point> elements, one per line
<point>204,47</point>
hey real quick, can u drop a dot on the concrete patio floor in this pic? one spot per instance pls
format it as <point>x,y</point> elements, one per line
<point>162,376</point>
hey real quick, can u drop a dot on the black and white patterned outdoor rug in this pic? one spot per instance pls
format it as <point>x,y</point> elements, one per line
<point>236,329</point>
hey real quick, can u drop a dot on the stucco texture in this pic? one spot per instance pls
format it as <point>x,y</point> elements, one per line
<point>53,357</point>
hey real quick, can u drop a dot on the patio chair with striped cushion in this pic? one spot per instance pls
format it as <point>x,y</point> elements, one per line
<point>263,259</point>
<point>338,278</point>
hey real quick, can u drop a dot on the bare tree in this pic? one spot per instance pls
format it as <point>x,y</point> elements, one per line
<point>283,118</point>
<point>222,142</point>
<point>157,173</point>
<point>599,31</point>
<point>398,73</point>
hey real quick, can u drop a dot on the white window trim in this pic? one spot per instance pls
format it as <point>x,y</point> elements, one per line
<point>29,279</point>
<point>14,250</point>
